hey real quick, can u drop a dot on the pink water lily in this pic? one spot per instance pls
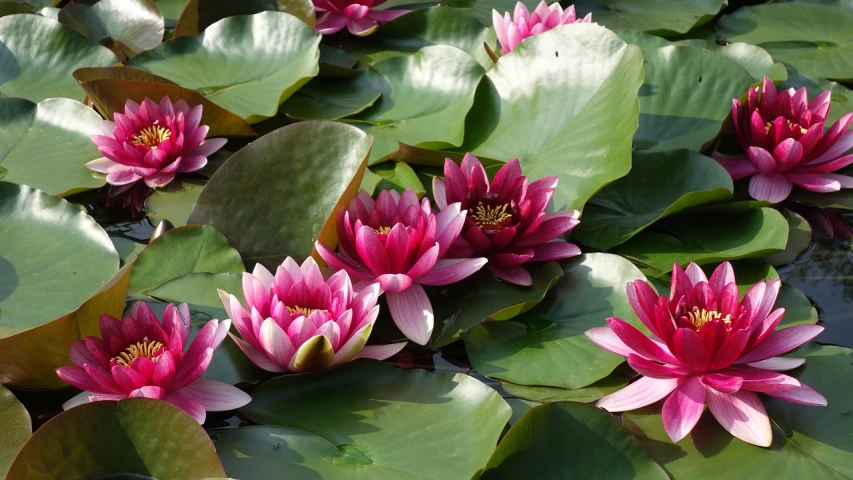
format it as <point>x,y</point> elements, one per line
<point>400,243</point>
<point>512,30</point>
<point>359,17</point>
<point>141,357</point>
<point>153,143</point>
<point>706,347</point>
<point>295,321</point>
<point>506,219</point>
<point>785,143</point>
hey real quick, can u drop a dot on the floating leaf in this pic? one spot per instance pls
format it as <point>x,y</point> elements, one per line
<point>136,24</point>
<point>200,14</point>
<point>17,428</point>
<point>397,176</point>
<point>588,394</point>
<point>659,16</point>
<point>332,98</point>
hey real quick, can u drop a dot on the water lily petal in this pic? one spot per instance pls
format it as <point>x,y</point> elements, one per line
<point>215,396</point>
<point>778,364</point>
<point>412,312</point>
<point>781,341</point>
<point>380,352</point>
<point>644,391</point>
<point>741,414</point>
<point>682,410</point>
<point>449,271</point>
<point>192,407</point>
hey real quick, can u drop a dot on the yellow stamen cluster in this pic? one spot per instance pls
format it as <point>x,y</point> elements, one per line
<point>701,317</point>
<point>491,218</point>
<point>791,124</point>
<point>152,136</point>
<point>385,230</point>
<point>145,348</point>
<point>302,310</point>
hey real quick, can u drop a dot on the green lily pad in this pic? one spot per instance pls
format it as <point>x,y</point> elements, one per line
<point>279,194</point>
<point>547,346</point>
<point>686,97</point>
<point>482,296</point>
<point>799,239</point>
<point>37,56</point>
<point>17,428</point>
<point>127,249</point>
<point>391,423</point>
<point>815,39</point>
<point>136,24</point>
<point>659,185</point>
<point>182,251</point>
<point>134,436</point>
<point>397,176</point>
<point>753,58</point>
<point>570,440</point>
<point>588,394</point>
<point>432,26</point>
<point>226,65</point>
<point>660,16</point>
<point>200,14</point>
<point>12,8</point>
<point>709,238</point>
<point>332,98</point>
<point>46,145</point>
<point>171,11</point>
<point>174,202</point>
<point>805,439</point>
<point>564,103</point>
<point>425,98</point>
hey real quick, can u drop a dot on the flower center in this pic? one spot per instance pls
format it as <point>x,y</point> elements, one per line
<point>152,136</point>
<point>700,317</point>
<point>489,217</point>
<point>381,230</point>
<point>791,125</point>
<point>145,348</point>
<point>303,311</point>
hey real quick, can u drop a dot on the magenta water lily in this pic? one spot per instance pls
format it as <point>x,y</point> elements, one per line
<point>506,220</point>
<point>511,30</point>
<point>358,17</point>
<point>706,347</point>
<point>786,143</point>
<point>153,142</point>
<point>297,321</point>
<point>400,243</point>
<point>142,357</point>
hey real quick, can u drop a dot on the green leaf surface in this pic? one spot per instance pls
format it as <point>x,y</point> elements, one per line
<point>659,16</point>
<point>134,436</point>
<point>17,428</point>
<point>482,297</point>
<point>799,239</point>
<point>46,145</point>
<point>397,176</point>
<point>709,238</point>
<point>588,394</point>
<point>815,39</point>
<point>564,103</point>
<point>275,197</point>
<point>182,251</point>
<point>37,56</point>
<point>332,98</point>
<point>200,14</point>
<point>547,346</point>
<point>808,441</point>
<point>171,10</point>
<point>174,202</point>
<point>570,440</point>
<point>425,98</point>
<point>228,65</point>
<point>659,185</point>
<point>391,424</point>
<point>136,24</point>
<point>753,58</point>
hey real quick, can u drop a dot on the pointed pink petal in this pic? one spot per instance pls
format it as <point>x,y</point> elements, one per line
<point>803,394</point>
<point>260,359</point>
<point>606,339</point>
<point>412,312</point>
<point>449,271</point>
<point>514,275</point>
<point>209,147</point>
<point>276,342</point>
<point>683,408</point>
<point>380,352</point>
<point>640,343</point>
<point>331,22</point>
<point>742,415</point>
<point>393,283</point>
<point>781,341</point>
<point>722,383</point>
<point>438,193</point>
<point>778,364</point>
<point>648,368</point>
<point>644,391</point>
<point>555,250</point>
<point>362,27</point>
<point>772,188</point>
<point>192,407</point>
<point>215,396</point>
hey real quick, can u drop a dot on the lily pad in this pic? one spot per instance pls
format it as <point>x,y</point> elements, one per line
<point>174,202</point>
<point>709,238</point>
<point>588,394</point>
<point>665,17</point>
<point>753,58</point>
<point>482,296</point>
<point>134,436</point>
<point>565,103</point>
<point>391,423</point>
<point>200,14</point>
<point>279,194</point>
<point>182,251</point>
<point>547,346</point>
<point>805,439</point>
<point>332,98</point>
<point>659,185</point>
<point>815,39</point>
<point>425,98</point>
<point>46,145</point>
<point>135,24</point>
<point>17,428</point>
<point>799,239</point>
<point>570,440</point>
<point>226,65</point>
<point>37,56</point>
<point>397,176</point>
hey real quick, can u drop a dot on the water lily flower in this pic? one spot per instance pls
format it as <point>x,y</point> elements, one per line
<point>785,143</point>
<point>512,30</point>
<point>142,357</point>
<point>152,142</point>
<point>400,243</point>
<point>359,17</point>
<point>706,347</point>
<point>296,321</point>
<point>506,219</point>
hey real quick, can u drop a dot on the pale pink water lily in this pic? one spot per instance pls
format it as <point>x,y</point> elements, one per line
<point>142,357</point>
<point>295,321</point>
<point>512,30</point>
<point>153,143</point>
<point>359,17</point>
<point>785,143</point>
<point>506,219</point>
<point>400,243</point>
<point>706,347</point>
